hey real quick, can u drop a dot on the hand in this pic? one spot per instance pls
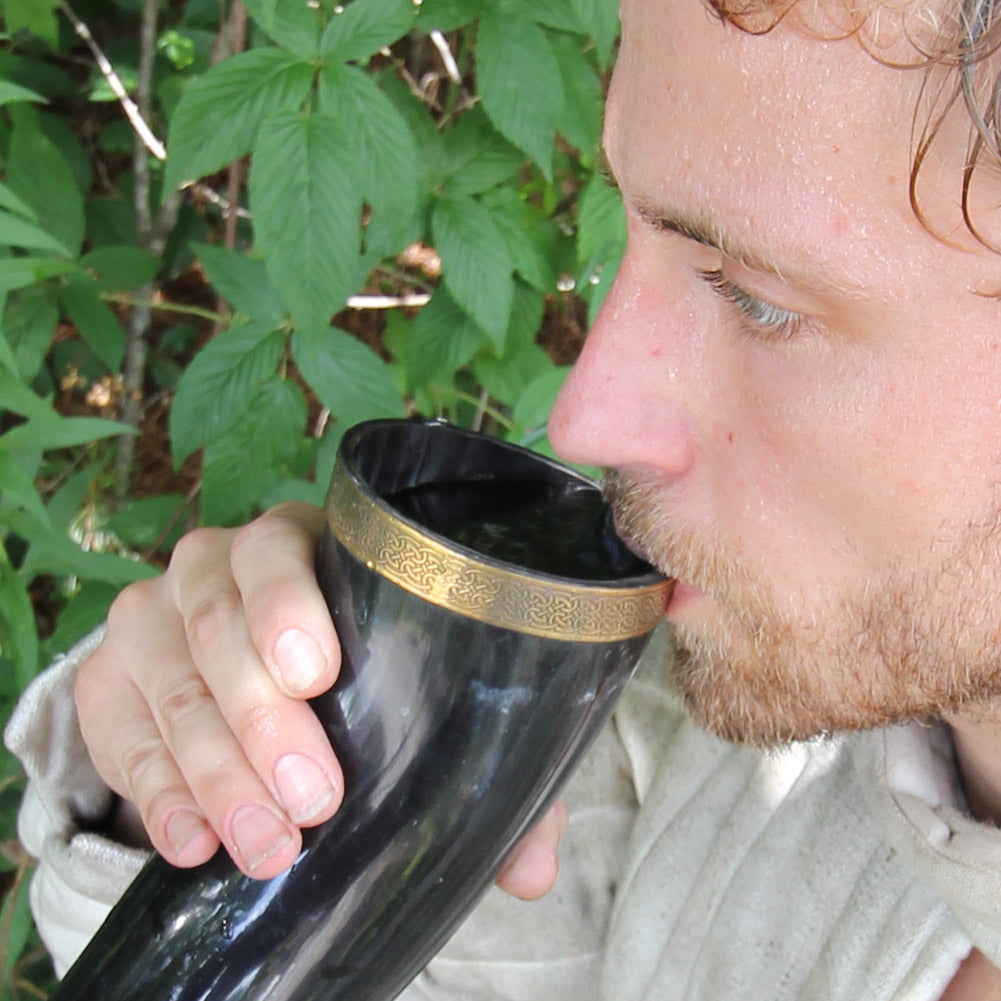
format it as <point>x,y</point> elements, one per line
<point>193,705</point>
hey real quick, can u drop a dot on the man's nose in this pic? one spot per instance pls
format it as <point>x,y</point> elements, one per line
<point>624,403</point>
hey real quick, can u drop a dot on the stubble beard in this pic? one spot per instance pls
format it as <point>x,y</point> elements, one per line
<point>913,644</point>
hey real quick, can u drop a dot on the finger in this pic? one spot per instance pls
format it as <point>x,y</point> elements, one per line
<point>243,811</point>
<point>280,737</point>
<point>531,868</point>
<point>134,761</point>
<point>273,565</point>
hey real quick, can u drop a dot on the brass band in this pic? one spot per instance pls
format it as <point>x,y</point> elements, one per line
<point>485,591</point>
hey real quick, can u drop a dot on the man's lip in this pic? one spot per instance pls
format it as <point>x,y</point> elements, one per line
<point>681,595</point>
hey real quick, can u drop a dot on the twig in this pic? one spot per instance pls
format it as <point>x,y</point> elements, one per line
<point>152,234</point>
<point>441,44</point>
<point>214,198</point>
<point>173,520</point>
<point>388,301</point>
<point>238,26</point>
<point>132,112</point>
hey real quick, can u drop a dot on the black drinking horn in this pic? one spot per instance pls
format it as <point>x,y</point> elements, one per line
<point>489,620</point>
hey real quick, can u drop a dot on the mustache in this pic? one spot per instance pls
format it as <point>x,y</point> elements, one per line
<point>642,509</point>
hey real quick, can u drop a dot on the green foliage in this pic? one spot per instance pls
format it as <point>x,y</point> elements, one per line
<point>434,160</point>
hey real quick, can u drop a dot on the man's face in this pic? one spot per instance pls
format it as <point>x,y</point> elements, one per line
<point>798,386</point>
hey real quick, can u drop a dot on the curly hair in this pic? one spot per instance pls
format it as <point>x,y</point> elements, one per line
<point>964,41</point>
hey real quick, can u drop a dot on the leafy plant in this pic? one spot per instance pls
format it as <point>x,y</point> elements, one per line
<point>376,208</point>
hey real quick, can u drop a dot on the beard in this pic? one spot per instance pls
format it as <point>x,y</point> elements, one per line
<point>907,643</point>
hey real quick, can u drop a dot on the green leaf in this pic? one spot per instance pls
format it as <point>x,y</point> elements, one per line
<point>120,268</point>
<point>7,357</point>
<point>217,119</point>
<point>365,26</point>
<point>85,611</point>
<point>476,265</point>
<point>37,17</point>
<point>505,378</point>
<point>519,80</point>
<point>39,174</point>
<point>559,14</point>
<point>28,322</point>
<point>349,378</point>
<point>601,18</point>
<point>55,553</point>
<point>383,144</point>
<point>143,523</point>
<point>306,202</point>
<point>43,433</point>
<point>447,15</point>
<point>580,118</point>
<point>262,450</point>
<point>18,632</point>
<point>477,156</point>
<point>21,399</point>
<point>215,387</point>
<point>601,239</point>
<point>11,92</point>
<point>428,167</point>
<point>293,24</point>
<point>10,201</point>
<point>442,338</point>
<point>18,488</point>
<point>537,399</point>
<point>530,236</point>
<point>94,319</point>
<point>243,281</point>
<point>18,272</point>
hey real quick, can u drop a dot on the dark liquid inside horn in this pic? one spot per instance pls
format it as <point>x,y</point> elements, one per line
<point>524,522</point>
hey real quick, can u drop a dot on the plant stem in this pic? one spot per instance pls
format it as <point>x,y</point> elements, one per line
<point>152,233</point>
<point>158,306</point>
<point>481,406</point>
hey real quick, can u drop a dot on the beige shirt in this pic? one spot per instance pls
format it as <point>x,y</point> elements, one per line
<point>692,869</point>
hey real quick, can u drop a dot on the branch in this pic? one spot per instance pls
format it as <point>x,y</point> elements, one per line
<point>388,301</point>
<point>145,133</point>
<point>441,44</point>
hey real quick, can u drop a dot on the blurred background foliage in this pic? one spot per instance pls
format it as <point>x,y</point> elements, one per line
<point>229,229</point>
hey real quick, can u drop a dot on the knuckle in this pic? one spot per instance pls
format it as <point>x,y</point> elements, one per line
<point>212,619</point>
<point>139,760</point>
<point>178,701</point>
<point>193,545</point>
<point>248,537</point>
<point>132,602</point>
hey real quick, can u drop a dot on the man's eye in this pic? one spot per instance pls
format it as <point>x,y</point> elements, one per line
<point>770,322</point>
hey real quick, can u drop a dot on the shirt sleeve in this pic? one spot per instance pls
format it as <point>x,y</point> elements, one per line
<point>80,872</point>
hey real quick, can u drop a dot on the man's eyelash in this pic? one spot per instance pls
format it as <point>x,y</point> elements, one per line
<point>770,321</point>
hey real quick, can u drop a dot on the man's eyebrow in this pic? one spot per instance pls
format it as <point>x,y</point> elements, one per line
<point>705,231</point>
<point>708,234</point>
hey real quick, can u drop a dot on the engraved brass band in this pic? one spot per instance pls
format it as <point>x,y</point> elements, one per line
<point>485,591</point>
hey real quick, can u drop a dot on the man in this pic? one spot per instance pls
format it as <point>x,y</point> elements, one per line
<point>797,381</point>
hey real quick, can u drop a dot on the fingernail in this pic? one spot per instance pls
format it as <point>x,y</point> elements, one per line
<point>303,787</point>
<point>258,834</point>
<point>298,659</point>
<point>183,826</point>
